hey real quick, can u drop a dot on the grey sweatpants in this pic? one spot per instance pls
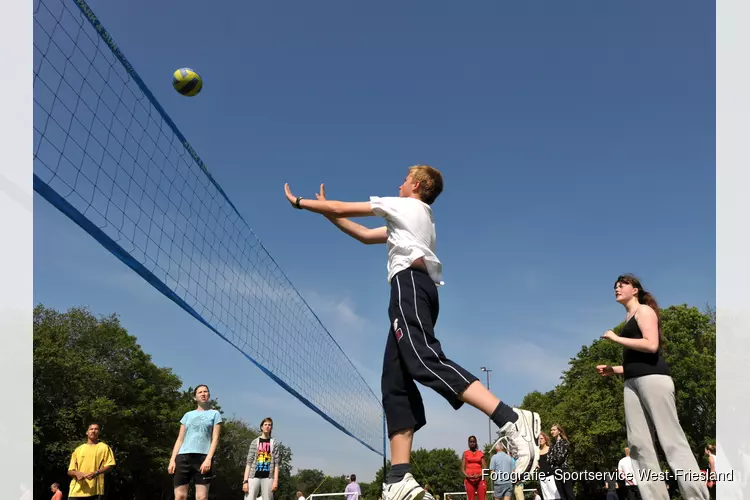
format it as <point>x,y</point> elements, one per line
<point>650,409</point>
<point>260,486</point>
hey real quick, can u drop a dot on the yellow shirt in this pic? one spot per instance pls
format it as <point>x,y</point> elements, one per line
<point>90,458</point>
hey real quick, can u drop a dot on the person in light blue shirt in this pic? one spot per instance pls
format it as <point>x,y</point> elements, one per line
<point>502,466</point>
<point>193,452</point>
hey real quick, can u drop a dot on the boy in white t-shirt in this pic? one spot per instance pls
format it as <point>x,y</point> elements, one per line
<point>412,352</point>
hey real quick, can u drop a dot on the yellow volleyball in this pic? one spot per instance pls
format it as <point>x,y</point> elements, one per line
<point>187,82</point>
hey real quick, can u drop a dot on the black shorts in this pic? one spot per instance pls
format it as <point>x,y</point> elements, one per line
<point>188,466</point>
<point>412,353</point>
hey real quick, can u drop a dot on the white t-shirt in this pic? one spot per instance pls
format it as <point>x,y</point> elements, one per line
<point>411,234</point>
<point>627,473</point>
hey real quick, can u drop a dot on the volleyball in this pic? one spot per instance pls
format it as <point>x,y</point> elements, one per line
<point>187,82</point>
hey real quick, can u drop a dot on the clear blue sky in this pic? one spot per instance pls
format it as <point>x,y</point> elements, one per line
<point>576,141</point>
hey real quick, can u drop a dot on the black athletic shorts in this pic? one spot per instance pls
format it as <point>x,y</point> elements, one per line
<point>412,353</point>
<point>188,466</point>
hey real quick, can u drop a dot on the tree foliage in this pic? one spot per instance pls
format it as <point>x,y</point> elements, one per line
<point>91,369</point>
<point>87,369</point>
<point>310,481</point>
<point>440,468</point>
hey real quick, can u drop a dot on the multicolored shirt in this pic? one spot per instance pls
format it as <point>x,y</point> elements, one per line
<point>262,457</point>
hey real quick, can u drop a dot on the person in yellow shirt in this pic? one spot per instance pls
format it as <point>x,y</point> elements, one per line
<point>88,464</point>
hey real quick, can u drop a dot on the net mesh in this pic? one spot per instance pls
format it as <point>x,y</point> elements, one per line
<point>109,157</point>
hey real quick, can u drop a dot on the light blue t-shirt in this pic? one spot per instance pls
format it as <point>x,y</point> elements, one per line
<point>503,465</point>
<point>199,427</point>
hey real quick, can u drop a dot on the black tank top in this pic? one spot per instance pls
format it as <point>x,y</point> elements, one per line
<point>544,466</point>
<point>637,363</point>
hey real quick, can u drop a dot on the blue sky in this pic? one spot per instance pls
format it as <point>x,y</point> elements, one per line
<point>577,142</point>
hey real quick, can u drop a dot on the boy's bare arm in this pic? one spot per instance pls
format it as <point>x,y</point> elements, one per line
<point>359,232</point>
<point>330,208</point>
<point>366,235</point>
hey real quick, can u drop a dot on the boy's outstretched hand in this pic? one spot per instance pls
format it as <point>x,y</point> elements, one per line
<point>293,199</point>
<point>332,209</point>
<point>289,196</point>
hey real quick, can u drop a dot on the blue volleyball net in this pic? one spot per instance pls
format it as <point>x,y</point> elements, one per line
<point>108,156</point>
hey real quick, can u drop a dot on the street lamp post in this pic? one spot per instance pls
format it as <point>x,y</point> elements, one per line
<point>489,424</point>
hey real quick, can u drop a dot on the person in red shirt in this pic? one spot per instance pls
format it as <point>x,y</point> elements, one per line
<point>56,493</point>
<point>472,465</point>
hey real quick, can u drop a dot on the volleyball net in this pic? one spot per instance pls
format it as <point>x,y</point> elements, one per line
<point>109,157</point>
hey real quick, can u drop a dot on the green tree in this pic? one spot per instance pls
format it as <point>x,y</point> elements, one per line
<point>88,369</point>
<point>91,369</point>
<point>690,350</point>
<point>374,489</point>
<point>308,480</point>
<point>440,468</point>
<point>287,487</point>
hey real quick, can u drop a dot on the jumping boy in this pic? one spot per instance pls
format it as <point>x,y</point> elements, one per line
<point>412,352</point>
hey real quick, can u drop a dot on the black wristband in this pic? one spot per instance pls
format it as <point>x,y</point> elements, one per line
<point>296,203</point>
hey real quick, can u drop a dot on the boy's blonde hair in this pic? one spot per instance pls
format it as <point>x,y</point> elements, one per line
<point>430,182</point>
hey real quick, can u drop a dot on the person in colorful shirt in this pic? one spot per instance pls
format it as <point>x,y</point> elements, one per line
<point>262,471</point>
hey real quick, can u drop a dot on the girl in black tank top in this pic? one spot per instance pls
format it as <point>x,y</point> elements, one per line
<point>546,472</point>
<point>649,394</point>
<point>637,363</point>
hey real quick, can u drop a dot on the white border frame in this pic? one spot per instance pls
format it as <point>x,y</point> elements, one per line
<point>732,248</point>
<point>16,247</point>
<point>732,275</point>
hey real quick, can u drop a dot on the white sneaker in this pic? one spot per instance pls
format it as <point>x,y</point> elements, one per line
<point>406,489</point>
<point>521,438</point>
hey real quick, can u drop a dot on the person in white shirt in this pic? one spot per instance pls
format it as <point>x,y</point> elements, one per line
<point>412,352</point>
<point>353,491</point>
<point>629,476</point>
